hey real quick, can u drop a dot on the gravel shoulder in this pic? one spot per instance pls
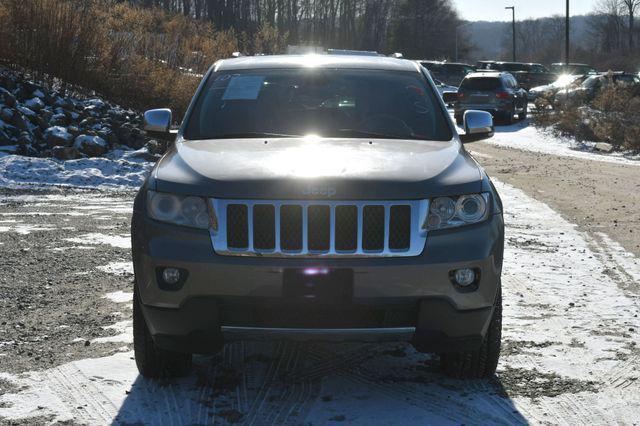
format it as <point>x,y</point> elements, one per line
<point>61,253</point>
<point>600,197</point>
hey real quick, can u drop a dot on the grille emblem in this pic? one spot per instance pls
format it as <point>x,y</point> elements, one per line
<point>324,191</point>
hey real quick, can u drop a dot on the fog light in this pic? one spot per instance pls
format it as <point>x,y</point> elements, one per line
<point>171,275</point>
<point>464,277</point>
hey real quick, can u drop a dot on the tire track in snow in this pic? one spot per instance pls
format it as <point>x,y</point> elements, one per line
<point>80,395</point>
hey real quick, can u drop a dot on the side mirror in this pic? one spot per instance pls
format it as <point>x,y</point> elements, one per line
<point>478,125</point>
<point>450,97</point>
<point>157,123</point>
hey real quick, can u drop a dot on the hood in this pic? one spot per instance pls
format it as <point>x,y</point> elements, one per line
<point>544,88</point>
<point>292,168</point>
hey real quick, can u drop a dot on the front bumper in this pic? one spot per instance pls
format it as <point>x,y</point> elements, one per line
<point>407,298</point>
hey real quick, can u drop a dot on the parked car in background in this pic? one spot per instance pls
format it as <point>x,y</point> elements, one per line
<point>450,73</point>
<point>528,74</point>
<point>484,65</point>
<point>590,88</point>
<point>444,88</point>
<point>495,92</point>
<point>572,69</point>
<point>564,82</point>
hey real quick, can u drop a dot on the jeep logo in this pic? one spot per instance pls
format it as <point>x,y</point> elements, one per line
<point>324,191</point>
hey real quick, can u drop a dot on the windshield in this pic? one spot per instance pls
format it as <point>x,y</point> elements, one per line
<point>591,81</point>
<point>513,67</point>
<point>482,83</point>
<point>460,69</point>
<point>537,68</point>
<point>352,103</point>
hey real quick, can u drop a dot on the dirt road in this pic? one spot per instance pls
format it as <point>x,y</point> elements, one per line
<point>599,196</point>
<point>571,324</point>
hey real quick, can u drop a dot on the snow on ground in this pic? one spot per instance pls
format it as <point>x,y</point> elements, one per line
<point>120,296</point>
<point>119,170</point>
<point>122,241</point>
<point>526,137</point>
<point>118,268</point>
<point>569,357</point>
<point>523,135</point>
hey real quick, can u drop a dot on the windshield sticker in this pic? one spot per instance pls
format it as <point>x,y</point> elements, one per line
<point>243,87</point>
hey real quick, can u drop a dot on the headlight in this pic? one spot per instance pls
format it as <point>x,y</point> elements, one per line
<point>450,212</point>
<point>180,210</point>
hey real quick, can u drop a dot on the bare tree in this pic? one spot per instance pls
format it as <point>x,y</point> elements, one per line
<point>631,7</point>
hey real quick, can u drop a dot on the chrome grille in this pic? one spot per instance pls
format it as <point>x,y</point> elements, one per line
<point>319,228</point>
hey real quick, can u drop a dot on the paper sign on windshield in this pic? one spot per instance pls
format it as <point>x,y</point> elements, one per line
<point>243,87</point>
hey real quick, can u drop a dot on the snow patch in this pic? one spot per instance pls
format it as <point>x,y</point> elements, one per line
<point>529,138</point>
<point>118,268</point>
<point>120,241</point>
<point>124,330</point>
<point>119,170</point>
<point>119,296</point>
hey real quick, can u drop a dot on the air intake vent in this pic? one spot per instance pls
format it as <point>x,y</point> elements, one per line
<point>320,228</point>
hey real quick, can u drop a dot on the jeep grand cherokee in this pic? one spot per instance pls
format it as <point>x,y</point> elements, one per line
<point>323,197</point>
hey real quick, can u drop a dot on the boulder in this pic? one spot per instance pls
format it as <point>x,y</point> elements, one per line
<point>34,104</point>
<point>9,149</point>
<point>27,112</point>
<point>19,121</point>
<point>5,138</point>
<point>65,153</point>
<point>59,120</point>
<point>58,136</point>
<point>27,150</point>
<point>7,97</point>
<point>6,114</point>
<point>25,138</point>
<point>603,147</point>
<point>92,146</point>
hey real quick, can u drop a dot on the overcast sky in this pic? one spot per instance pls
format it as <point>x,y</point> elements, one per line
<point>494,10</point>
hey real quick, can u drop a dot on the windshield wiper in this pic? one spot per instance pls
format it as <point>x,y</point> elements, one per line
<point>364,133</point>
<point>249,135</point>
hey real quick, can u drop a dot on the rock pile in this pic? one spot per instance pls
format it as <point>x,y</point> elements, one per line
<point>38,122</point>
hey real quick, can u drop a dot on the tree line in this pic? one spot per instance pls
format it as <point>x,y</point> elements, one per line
<point>417,28</point>
<point>607,38</point>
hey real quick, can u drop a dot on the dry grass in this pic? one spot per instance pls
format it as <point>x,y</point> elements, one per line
<point>612,117</point>
<point>141,58</point>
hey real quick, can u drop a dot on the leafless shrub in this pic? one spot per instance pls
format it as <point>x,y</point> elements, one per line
<point>612,117</point>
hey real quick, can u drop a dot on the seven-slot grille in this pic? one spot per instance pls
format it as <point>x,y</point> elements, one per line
<point>319,228</point>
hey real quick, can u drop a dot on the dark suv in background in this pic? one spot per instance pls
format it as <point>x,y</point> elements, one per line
<point>528,75</point>
<point>573,69</point>
<point>495,92</point>
<point>450,73</point>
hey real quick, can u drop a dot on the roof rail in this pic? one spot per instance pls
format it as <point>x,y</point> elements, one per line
<point>237,54</point>
<point>397,55</point>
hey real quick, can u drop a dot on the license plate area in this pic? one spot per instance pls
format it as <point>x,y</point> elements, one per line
<point>321,285</point>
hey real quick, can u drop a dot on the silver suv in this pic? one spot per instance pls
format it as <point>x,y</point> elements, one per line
<point>495,92</point>
<point>317,197</point>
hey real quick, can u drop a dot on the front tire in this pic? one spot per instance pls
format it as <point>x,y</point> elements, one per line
<point>152,361</point>
<point>482,362</point>
<point>524,113</point>
<point>509,117</point>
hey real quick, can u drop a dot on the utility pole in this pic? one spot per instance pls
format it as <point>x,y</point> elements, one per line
<point>566,38</point>
<point>513,28</point>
